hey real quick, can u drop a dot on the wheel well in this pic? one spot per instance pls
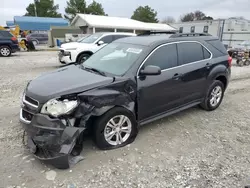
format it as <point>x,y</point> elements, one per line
<point>5,45</point>
<point>85,52</point>
<point>223,79</point>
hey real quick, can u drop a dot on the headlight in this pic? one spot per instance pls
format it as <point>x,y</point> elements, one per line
<point>66,53</point>
<point>56,107</point>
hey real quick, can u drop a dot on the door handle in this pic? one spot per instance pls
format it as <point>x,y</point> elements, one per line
<point>176,76</point>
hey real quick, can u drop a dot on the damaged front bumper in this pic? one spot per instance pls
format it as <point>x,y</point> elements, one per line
<point>50,140</point>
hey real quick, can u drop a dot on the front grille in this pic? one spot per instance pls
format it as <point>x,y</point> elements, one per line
<point>30,102</point>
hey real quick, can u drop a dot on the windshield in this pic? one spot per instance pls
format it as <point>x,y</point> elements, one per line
<point>115,58</point>
<point>91,38</point>
<point>80,39</point>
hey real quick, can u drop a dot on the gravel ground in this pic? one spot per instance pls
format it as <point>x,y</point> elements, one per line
<point>193,148</point>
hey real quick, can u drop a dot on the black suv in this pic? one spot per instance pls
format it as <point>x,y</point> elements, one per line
<point>128,83</point>
<point>8,44</point>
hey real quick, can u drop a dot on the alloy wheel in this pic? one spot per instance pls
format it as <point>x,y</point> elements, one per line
<point>5,52</point>
<point>216,96</point>
<point>118,130</point>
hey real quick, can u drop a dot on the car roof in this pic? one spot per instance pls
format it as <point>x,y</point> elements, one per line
<point>151,40</point>
<point>116,33</point>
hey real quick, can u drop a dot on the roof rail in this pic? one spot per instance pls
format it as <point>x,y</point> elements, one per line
<point>156,32</point>
<point>189,35</point>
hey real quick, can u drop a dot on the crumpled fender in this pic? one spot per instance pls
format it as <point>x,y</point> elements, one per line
<point>99,101</point>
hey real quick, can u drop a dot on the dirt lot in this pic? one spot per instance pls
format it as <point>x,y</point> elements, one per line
<point>191,149</point>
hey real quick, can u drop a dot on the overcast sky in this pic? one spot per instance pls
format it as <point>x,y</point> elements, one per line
<point>125,8</point>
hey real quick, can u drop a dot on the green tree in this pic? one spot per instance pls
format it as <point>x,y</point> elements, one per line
<point>79,6</point>
<point>145,14</point>
<point>196,15</point>
<point>44,8</point>
<point>74,7</point>
<point>95,8</point>
<point>188,17</point>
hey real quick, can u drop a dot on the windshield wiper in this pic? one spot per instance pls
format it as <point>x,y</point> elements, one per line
<point>94,70</point>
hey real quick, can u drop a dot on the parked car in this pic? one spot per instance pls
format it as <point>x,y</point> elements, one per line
<point>8,44</point>
<point>38,38</point>
<point>83,49</point>
<point>128,83</point>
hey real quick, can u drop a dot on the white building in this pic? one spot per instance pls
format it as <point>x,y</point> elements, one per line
<point>94,23</point>
<point>231,31</point>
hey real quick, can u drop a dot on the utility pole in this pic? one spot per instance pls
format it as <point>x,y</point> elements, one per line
<point>35,7</point>
<point>222,30</point>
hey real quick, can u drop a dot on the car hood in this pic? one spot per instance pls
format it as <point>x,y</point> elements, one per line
<point>74,45</point>
<point>67,80</point>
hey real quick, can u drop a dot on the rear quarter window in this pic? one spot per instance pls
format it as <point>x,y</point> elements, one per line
<point>5,34</point>
<point>219,48</point>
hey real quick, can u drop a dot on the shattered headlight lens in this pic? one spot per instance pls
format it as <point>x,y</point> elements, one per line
<point>56,107</point>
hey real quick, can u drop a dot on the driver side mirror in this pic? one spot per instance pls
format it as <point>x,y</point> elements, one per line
<point>150,70</point>
<point>99,43</point>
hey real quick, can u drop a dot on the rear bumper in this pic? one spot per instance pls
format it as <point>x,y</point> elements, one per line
<point>15,48</point>
<point>49,139</point>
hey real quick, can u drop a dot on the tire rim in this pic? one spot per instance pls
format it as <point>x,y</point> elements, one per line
<point>5,51</point>
<point>84,58</point>
<point>117,130</point>
<point>216,95</point>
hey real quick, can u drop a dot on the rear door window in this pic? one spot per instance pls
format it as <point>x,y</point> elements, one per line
<point>164,57</point>
<point>189,52</point>
<point>206,53</point>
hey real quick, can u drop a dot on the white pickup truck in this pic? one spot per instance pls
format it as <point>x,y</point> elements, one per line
<point>78,52</point>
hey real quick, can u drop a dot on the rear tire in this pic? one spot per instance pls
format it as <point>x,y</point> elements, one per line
<point>5,51</point>
<point>110,132</point>
<point>214,96</point>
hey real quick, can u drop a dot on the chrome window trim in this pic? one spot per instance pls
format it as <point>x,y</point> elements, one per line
<point>28,103</point>
<point>211,56</point>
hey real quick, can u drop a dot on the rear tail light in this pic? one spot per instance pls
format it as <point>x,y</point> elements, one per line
<point>13,39</point>
<point>230,59</point>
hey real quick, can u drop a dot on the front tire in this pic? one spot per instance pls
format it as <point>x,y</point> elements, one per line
<point>116,128</point>
<point>83,57</point>
<point>214,96</point>
<point>5,51</point>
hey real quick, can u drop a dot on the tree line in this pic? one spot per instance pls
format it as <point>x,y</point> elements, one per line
<point>47,8</point>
